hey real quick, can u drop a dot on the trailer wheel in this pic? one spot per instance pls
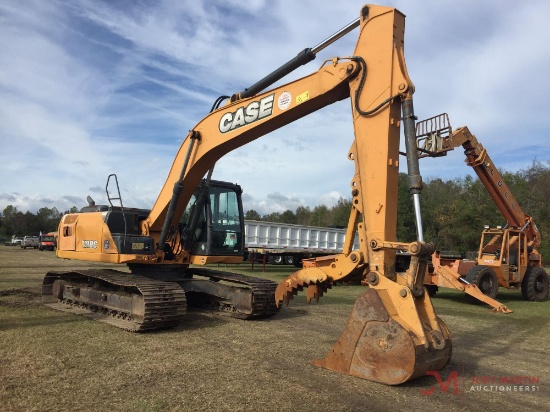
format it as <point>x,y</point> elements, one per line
<point>289,260</point>
<point>534,286</point>
<point>485,279</point>
<point>278,260</point>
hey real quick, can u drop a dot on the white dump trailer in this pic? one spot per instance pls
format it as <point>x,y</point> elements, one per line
<point>284,243</point>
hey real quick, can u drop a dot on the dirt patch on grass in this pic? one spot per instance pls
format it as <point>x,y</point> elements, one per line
<point>20,297</point>
<point>52,360</point>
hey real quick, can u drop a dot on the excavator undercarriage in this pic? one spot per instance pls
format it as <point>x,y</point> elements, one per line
<point>139,303</point>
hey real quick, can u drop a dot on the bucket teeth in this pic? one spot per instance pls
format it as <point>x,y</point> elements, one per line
<point>313,279</point>
<point>316,291</point>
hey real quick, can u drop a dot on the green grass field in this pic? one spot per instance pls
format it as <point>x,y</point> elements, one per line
<point>52,360</point>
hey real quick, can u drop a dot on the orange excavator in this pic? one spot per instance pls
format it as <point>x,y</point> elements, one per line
<point>507,255</point>
<point>393,334</point>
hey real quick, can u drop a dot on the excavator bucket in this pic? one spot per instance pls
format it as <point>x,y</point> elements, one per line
<point>377,347</point>
<point>391,337</point>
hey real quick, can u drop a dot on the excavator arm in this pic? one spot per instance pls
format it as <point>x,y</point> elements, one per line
<point>393,333</point>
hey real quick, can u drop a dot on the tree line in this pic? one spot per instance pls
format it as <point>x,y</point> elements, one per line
<point>454,211</point>
<point>14,222</point>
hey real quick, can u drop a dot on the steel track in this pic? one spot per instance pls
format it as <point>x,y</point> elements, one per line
<point>164,303</point>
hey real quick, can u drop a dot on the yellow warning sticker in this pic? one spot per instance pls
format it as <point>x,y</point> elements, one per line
<point>302,97</point>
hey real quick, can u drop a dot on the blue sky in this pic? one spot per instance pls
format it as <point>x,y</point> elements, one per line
<point>89,88</point>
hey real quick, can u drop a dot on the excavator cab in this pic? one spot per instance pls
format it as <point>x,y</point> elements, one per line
<point>219,226</point>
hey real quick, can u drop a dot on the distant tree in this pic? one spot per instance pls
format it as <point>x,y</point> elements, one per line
<point>73,209</point>
<point>288,217</point>
<point>29,224</point>
<point>453,211</point>
<point>10,221</point>
<point>47,219</point>
<point>252,215</point>
<point>339,213</point>
<point>20,224</point>
<point>272,217</point>
<point>441,203</point>
<point>536,200</point>
<point>461,215</point>
<point>303,215</point>
<point>320,216</point>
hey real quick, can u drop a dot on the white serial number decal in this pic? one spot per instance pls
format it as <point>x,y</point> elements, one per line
<point>89,244</point>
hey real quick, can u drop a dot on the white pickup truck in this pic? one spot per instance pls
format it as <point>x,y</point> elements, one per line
<point>30,241</point>
<point>15,241</point>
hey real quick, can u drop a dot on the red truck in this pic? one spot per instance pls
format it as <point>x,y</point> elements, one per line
<point>46,242</point>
